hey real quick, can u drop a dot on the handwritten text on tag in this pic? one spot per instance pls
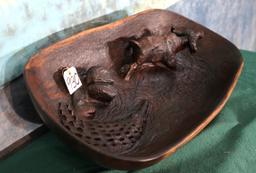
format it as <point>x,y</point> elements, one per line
<point>72,80</point>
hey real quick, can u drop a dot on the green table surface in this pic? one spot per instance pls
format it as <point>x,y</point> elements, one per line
<point>228,144</point>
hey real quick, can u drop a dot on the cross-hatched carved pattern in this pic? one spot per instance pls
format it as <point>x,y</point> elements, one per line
<point>116,136</point>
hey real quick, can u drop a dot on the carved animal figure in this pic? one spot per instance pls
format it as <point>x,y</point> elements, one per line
<point>159,50</point>
<point>99,90</point>
<point>77,116</point>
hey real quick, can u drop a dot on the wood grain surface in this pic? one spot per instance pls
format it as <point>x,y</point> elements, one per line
<point>130,123</point>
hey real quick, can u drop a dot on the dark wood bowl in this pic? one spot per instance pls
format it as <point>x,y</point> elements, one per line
<point>129,119</point>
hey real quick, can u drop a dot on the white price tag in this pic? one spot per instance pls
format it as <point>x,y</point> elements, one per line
<point>72,79</point>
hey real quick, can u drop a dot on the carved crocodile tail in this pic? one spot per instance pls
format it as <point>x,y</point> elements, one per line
<point>115,136</point>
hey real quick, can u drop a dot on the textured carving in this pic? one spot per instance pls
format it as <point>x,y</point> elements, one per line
<point>78,115</point>
<point>97,90</point>
<point>151,49</point>
<point>147,87</point>
<point>145,51</point>
<point>115,136</point>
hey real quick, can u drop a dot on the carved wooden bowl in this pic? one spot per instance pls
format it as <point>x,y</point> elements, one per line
<point>151,82</point>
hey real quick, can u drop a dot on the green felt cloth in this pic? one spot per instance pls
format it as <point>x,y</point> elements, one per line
<point>228,144</point>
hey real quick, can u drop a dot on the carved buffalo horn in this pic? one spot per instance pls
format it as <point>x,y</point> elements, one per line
<point>147,87</point>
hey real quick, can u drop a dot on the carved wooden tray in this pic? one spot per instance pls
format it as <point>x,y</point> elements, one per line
<point>151,82</point>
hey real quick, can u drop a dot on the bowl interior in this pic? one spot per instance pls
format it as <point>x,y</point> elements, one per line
<point>157,108</point>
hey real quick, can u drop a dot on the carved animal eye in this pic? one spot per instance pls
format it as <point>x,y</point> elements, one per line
<point>132,52</point>
<point>129,51</point>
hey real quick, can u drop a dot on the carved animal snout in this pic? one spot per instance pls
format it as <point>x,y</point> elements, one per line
<point>100,85</point>
<point>98,90</point>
